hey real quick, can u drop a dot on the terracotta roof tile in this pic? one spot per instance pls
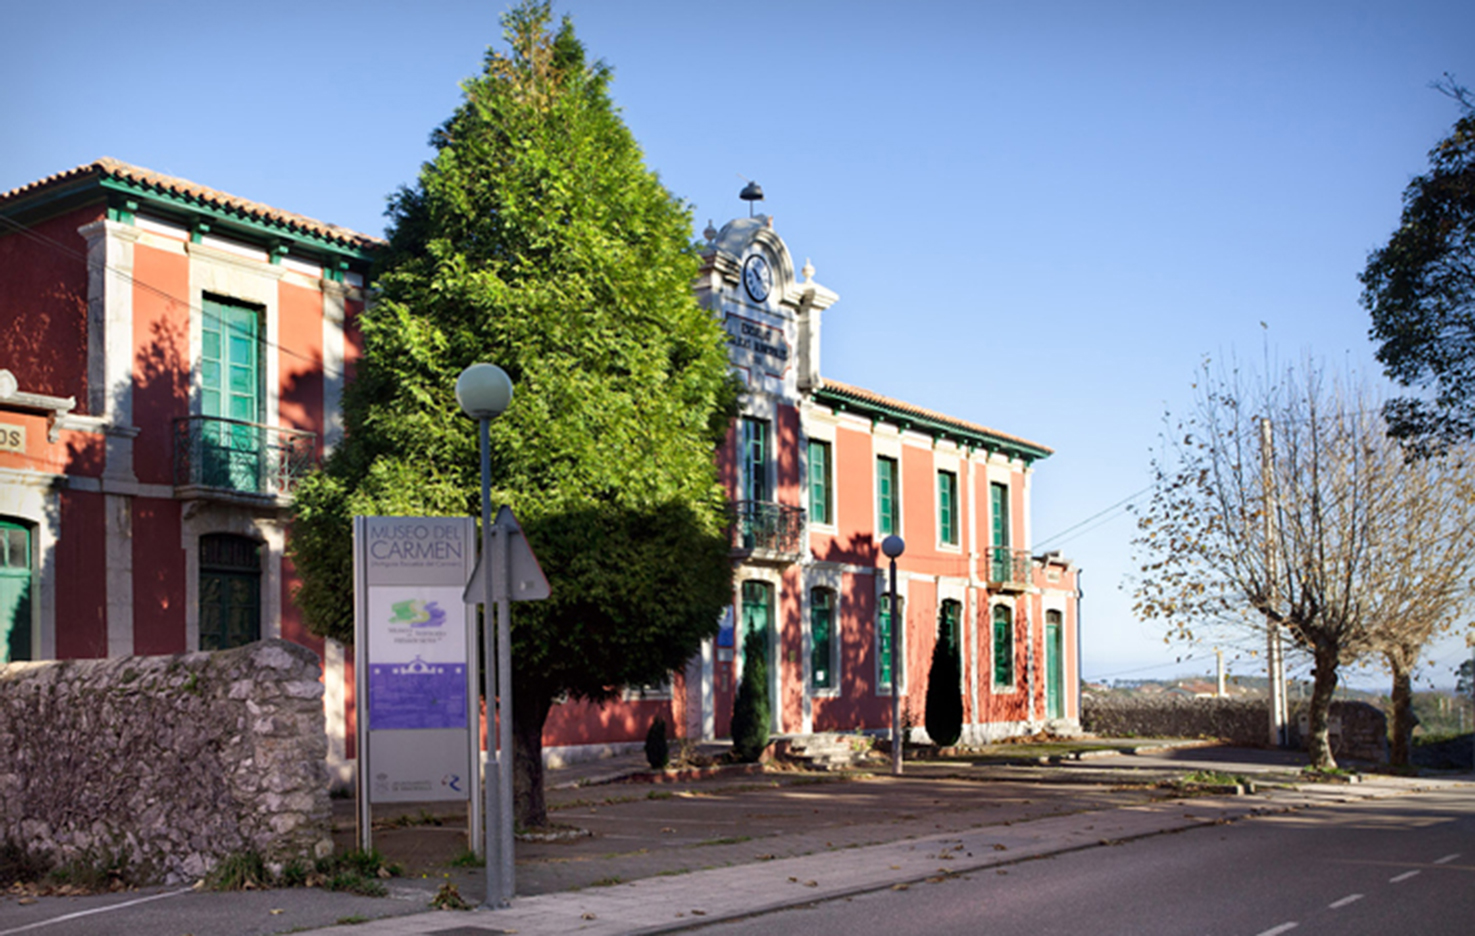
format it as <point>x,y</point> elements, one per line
<point>107,167</point>
<point>870,396</point>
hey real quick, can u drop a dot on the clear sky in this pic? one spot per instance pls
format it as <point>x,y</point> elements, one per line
<point>1038,216</point>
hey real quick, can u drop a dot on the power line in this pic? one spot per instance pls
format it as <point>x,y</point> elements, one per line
<point>29,232</point>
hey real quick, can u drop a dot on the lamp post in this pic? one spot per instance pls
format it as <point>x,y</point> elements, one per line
<point>894,546</point>
<point>484,391</point>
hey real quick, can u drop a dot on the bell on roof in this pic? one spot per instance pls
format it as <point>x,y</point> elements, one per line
<point>752,192</point>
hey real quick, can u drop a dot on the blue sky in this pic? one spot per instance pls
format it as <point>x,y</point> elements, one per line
<point>1038,216</point>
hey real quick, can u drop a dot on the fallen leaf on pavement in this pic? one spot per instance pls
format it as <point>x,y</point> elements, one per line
<point>589,916</point>
<point>901,887</point>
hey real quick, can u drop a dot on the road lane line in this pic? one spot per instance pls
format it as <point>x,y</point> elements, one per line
<point>1349,899</point>
<point>83,913</point>
<point>1402,877</point>
<point>1448,858</point>
<point>1277,930</point>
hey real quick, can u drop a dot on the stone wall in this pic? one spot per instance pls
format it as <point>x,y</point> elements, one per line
<point>1358,731</point>
<point>170,763</point>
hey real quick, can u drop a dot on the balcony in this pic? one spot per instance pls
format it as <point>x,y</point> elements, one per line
<point>1008,569</point>
<point>227,459</point>
<point>764,531</point>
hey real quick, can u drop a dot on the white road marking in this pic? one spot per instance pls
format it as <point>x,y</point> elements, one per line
<point>1448,858</point>
<point>83,913</point>
<point>1393,880</point>
<point>1349,899</point>
<point>1273,931</point>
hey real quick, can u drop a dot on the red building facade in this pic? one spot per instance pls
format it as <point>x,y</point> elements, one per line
<point>172,359</point>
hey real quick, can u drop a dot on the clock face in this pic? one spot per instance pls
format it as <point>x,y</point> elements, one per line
<point>756,277</point>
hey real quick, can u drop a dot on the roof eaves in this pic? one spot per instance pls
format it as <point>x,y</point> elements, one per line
<point>867,402</point>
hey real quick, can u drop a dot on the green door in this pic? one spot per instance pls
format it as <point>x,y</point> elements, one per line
<point>757,612</point>
<point>1054,666</point>
<point>231,383</point>
<point>999,523</point>
<point>230,591</point>
<point>16,588</point>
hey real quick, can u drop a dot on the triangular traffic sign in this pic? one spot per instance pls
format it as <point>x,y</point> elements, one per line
<point>527,580</point>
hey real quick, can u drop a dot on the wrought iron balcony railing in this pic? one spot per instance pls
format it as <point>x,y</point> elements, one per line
<point>1008,569</point>
<point>773,528</point>
<point>240,457</point>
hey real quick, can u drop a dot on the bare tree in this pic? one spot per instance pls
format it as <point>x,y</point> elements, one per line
<point>1343,561</point>
<point>1422,585</point>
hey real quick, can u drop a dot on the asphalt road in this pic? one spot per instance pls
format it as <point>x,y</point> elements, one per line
<point>1401,866</point>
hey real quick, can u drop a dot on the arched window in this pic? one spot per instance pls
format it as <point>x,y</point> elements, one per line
<point>822,641</point>
<point>230,591</point>
<point>17,586</point>
<point>1003,647</point>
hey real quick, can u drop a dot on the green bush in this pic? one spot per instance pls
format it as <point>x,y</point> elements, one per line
<point>657,750</point>
<point>944,717</point>
<point>751,708</point>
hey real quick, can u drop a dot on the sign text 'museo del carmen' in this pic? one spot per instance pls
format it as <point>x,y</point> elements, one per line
<point>415,678</point>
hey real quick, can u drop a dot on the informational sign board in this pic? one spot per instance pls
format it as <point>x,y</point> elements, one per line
<point>415,653</point>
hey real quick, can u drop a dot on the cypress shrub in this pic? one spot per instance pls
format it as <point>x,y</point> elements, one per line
<point>751,708</point>
<point>944,700</point>
<point>657,750</point>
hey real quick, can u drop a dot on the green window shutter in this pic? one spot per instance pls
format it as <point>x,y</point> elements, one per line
<point>821,638</point>
<point>998,497</point>
<point>755,459</point>
<point>1003,647</point>
<point>230,362</point>
<point>820,499</point>
<point>947,507</point>
<point>947,624</point>
<point>886,515</point>
<point>883,638</point>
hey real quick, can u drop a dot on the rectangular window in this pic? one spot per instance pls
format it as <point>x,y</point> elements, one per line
<point>1003,647</point>
<point>888,519</point>
<point>883,639</point>
<point>821,497</point>
<point>822,638</point>
<point>754,459</point>
<point>947,508</point>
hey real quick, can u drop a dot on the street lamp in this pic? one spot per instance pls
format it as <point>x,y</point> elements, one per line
<point>484,391</point>
<point>894,546</point>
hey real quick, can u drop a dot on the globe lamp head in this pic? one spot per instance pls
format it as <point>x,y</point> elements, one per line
<point>484,391</point>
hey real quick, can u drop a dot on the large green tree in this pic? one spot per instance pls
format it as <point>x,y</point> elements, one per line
<point>537,239</point>
<point>1420,289</point>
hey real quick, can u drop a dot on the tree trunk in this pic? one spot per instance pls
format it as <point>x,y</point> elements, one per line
<point>529,712</point>
<point>1403,713</point>
<point>1319,744</point>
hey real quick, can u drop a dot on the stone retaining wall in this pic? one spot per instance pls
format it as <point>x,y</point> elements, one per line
<point>168,764</point>
<point>1358,731</point>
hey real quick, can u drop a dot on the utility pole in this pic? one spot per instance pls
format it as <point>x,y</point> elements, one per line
<point>1219,666</point>
<point>1274,660</point>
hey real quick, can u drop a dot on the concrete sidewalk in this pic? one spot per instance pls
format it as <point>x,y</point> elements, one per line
<point>663,904</point>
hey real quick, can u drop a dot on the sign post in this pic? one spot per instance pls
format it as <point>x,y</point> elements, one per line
<point>514,576</point>
<point>415,662</point>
